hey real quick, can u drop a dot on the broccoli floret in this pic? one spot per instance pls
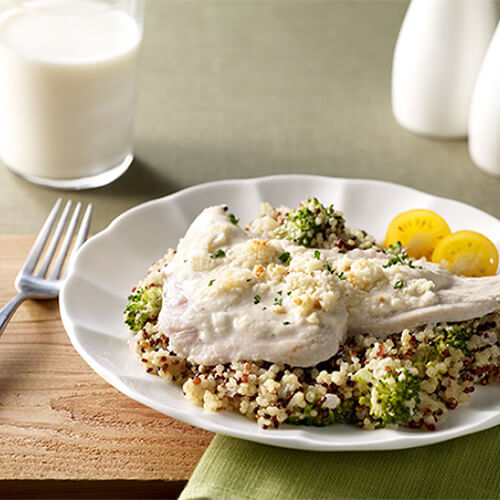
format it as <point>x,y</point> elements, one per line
<point>312,415</point>
<point>293,419</point>
<point>320,416</point>
<point>394,397</point>
<point>345,412</point>
<point>445,337</point>
<point>311,218</point>
<point>143,305</point>
<point>455,336</point>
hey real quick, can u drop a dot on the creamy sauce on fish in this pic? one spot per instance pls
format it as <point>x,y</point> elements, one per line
<point>228,296</point>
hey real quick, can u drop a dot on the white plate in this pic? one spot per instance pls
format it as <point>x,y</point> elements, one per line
<point>108,265</point>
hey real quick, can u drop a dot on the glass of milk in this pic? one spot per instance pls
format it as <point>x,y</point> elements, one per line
<point>67,89</point>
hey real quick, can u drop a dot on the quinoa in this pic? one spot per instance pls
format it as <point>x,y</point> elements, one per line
<point>410,379</point>
<point>311,224</point>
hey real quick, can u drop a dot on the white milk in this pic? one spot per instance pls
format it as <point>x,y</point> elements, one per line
<point>67,87</point>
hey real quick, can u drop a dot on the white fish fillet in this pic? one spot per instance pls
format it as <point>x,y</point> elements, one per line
<point>216,311</point>
<point>462,299</point>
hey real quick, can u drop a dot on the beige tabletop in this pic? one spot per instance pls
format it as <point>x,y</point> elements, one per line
<point>248,88</point>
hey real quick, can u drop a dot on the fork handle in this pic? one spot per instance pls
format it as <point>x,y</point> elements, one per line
<point>8,310</point>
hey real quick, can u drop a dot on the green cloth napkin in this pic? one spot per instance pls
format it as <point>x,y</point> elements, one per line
<point>467,467</point>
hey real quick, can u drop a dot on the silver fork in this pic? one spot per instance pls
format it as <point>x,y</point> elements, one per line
<point>42,284</point>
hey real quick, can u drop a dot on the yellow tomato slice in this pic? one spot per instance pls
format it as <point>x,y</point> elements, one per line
<point>418,230</point>
<point>467,253</point>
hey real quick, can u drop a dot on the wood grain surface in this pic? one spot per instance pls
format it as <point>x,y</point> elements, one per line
<point>62,426</point>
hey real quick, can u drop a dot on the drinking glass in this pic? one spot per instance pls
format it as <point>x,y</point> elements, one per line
<point>67,89</point>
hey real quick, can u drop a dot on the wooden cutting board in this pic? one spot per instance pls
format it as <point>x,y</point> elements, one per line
<point>66,432</point>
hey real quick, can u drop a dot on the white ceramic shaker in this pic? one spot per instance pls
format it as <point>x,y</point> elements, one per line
<point>484,120</point>
<point>436,61</point>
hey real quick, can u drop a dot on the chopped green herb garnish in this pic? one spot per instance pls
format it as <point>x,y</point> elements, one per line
<point>395,249</point>
<point>278,301</point>
<point>220,253</point>
<point>249,279</point>
<point>285,257</point>
<point>233,219</point>
<point>394,261</point>
<point>317,254</point>
<point>280,292</point>
<point>401,257</point>
<point>329,268</point>
<point>211,282</point>
<point>256,299</point>
<point>403,260</point>
<point>399,284</point>
<point>286,322</point>
<point>289,293</point>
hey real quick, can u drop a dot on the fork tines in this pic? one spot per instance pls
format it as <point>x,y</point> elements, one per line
<point>63,231</point>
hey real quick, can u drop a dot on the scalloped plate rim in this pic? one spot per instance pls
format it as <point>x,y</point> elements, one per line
<point>302,439</point>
